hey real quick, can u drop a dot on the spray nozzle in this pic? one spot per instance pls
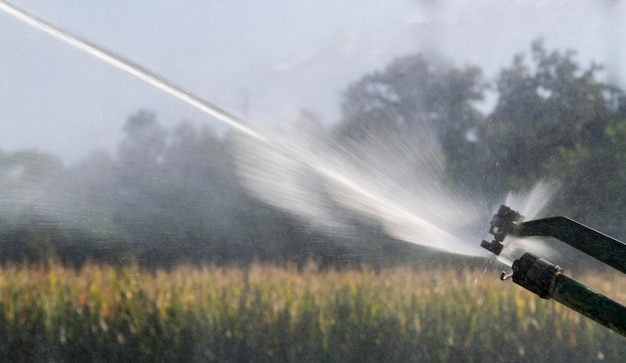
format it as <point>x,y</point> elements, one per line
<point>503,223</point>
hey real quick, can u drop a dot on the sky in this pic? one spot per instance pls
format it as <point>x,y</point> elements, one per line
<point>263,60</point>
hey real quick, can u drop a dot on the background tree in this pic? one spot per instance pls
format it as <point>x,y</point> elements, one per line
<point>555,120</point>
<point>423,104</point>
<point>172,195</point>
<point>544,107</point>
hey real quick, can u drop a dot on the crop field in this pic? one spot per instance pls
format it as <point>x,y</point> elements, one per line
<point>271,313</point>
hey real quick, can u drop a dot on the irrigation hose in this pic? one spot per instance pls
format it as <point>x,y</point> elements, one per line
<point>549,282</point>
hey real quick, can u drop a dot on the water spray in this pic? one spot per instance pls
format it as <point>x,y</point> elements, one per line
<point>546,279</point>
<point>400,218</point>
<point>132,69</point>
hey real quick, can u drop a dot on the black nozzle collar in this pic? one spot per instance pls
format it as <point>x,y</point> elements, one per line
<point>535,274</point>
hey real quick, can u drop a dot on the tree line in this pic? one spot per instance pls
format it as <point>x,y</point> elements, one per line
<point>170,196</point>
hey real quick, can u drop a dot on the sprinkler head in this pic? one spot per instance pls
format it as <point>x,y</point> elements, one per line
<point>503,223</point>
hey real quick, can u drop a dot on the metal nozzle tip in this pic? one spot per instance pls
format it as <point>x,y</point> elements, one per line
<point>494,246</point>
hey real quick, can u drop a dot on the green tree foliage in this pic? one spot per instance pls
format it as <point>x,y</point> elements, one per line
<point>617,140</point>
<point>420,104</point>
<point>171,190</point>
<point>553,119</point>
<point>546,110</point>
<point>47,213</point>
<point>410,93</point>
<point>172,195</point>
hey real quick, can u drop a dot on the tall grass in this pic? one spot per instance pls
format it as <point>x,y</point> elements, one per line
<point>269,313</point>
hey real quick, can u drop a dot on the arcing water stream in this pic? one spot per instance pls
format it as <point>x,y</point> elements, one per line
<point>322,182</point>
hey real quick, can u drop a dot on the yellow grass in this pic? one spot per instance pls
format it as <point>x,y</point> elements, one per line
<point>270,313</point>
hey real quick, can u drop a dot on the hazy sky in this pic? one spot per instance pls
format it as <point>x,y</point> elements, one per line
<point>263,60</point>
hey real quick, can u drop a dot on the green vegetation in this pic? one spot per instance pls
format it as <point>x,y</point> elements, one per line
<point>168,213</point>
<point>269,313</point>
<point>172,196</point>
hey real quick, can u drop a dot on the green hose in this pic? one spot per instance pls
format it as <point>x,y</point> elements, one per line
<point>590,303</point>
<point>547,280</point>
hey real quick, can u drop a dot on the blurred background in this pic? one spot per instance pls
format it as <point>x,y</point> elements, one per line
<point>385,135</point>
<point>510,94</point>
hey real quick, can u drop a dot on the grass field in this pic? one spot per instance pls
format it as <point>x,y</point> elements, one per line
<point>269,313</point>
